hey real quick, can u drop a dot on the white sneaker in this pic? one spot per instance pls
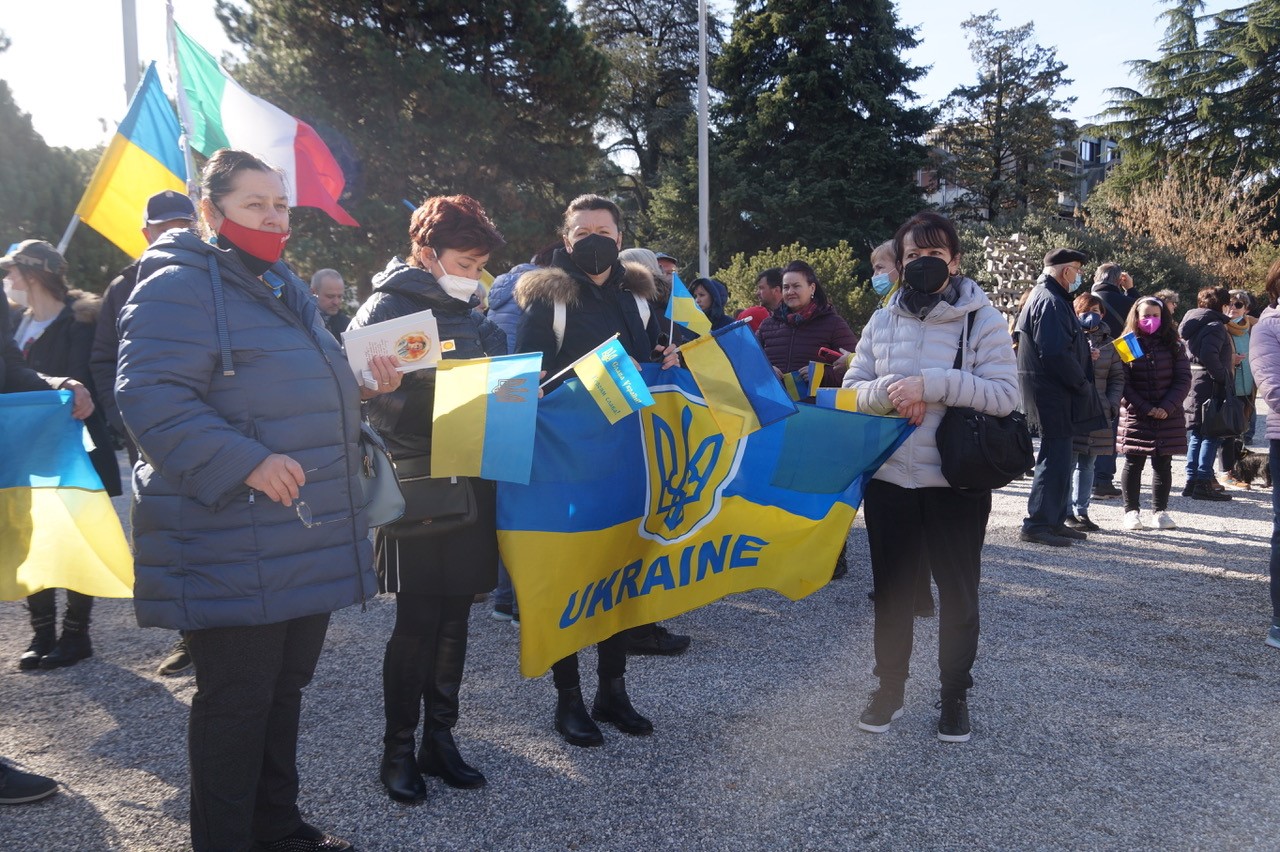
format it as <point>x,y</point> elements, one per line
<point>1132,520</point>
<point>1164,522</point>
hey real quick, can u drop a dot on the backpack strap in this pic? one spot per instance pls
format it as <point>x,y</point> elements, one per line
<point>966,333</point>
<point>645,310</point>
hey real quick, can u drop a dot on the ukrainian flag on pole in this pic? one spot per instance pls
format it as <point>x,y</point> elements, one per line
<point>1128,347</point>
<point>144,158</point>
<point>682,308</point>
<point>798,387</point>
<point>58,529</point>
<point>484,417</point>
<point>737,381</point>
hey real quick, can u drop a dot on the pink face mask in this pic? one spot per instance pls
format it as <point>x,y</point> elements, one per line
<point>1149,325</point>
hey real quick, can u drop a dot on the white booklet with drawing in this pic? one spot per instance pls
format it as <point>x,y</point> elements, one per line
<point>412,338</point>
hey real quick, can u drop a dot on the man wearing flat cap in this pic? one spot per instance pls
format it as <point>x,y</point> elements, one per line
<point>1055,370</point>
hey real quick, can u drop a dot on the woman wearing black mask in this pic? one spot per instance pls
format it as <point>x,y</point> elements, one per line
<point>905,365</point>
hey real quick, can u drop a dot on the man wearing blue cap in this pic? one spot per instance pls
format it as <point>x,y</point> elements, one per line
<point>165,211</point>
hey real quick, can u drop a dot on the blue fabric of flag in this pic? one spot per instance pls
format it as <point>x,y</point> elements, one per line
<point>508,424</point>
<point>152,125</point>
<point>52,443</point>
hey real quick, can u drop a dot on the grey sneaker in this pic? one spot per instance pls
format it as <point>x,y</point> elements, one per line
<point>1273,635</point>
<point>883,709</point>
<point>178,661</point>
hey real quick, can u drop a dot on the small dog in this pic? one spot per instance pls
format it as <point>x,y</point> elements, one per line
<point>1250,466</point>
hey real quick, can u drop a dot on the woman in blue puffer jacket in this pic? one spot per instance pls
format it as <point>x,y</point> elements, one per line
<point>248,520</point>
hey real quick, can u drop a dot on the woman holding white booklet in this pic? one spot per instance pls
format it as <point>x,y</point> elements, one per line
<point>434,577</point>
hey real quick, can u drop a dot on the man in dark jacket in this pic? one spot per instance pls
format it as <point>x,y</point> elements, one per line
<point>1055,370</point>
<point>1204,328</point>
<point>165,211</point>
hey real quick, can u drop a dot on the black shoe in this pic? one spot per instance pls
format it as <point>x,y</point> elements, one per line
<point>953,724</point>
<point>1066,532</point>
<point>572,720</point>
<point>42,643</point>
<point>1189,489</point>
<point>841,569</point>
<point>1202,490</point>
<point>1081,523</point>
<point>1105,491</point>
<point>439,757</point>
<point>18,788</point>
<point>307,839</point>
<point>178,661</point>
<point>654,639</point>
<point>882,710</point>
<point>1051,539</point>
<point>72,647</point>
<point>613,705</point>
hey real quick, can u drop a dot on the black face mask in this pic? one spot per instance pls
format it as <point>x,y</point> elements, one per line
<point>926,274</point>
<point>594,253</point>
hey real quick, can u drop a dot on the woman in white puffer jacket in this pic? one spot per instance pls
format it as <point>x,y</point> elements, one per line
<point>905,365</point>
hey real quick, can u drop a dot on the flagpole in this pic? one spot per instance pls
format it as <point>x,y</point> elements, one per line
<point>704,195</point>
<point>129,14</point>
<point>575,363</point>
<point>184,106</point>
<point>66,235</point>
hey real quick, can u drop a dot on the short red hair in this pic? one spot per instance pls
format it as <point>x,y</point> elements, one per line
<point>452,222</point>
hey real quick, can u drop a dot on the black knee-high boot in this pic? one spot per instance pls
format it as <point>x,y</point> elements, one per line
<point>439,754</point>
<point>44,620</point>
<point>403,671</point>
<point>73,645</point>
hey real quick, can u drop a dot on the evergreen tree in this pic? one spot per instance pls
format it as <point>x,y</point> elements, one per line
<point>496,99</point>
<point>998,137</point>
<point>816,140</point>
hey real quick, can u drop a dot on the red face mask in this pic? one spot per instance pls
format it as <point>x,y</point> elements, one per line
<point>266,246</point>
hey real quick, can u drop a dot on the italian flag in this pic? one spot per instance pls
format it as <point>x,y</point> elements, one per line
<point>223,115</point>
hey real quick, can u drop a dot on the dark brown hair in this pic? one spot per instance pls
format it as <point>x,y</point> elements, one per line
<point>927,230</point>
<point>591,202</point>
<point>1166,334</point>
<point>819,295</point>
<point>451,222</point>
<point>220,170</point>
<point>1213,298</point>
<point>52,282</point>
<point>1085,301</point>
<point>1272,287</point>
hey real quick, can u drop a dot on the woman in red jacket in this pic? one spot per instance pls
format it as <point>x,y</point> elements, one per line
<point>804,323</point>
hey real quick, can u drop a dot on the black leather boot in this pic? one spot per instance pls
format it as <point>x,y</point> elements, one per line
<point>439,755</point>
<point>42,642</point>
<point>403,670</point>
<point>613,705</point>
<point>572,720</point>
<point>73,646</point>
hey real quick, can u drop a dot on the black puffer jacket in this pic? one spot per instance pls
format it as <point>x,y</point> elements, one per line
<point>403,417</point>
<point>1210,348</point>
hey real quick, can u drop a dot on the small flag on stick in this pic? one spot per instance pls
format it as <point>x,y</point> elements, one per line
<point>682,308</point>
<point>611,377</point>
<point>737,382</point>
<point>800,388</point>
<point>1128,347</point>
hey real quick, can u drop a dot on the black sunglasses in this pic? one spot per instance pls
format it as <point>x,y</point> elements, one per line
<point>1239,305</point>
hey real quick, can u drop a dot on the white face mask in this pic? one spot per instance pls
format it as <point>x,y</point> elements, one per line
<point>18,297</point>
<point>457,286</point>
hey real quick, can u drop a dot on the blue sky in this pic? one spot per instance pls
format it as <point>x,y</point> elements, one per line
<point>66,63</point>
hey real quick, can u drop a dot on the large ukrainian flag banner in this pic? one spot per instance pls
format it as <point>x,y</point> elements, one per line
<point>58,529</point>
<point>144,158</point>
<point>662,513</point>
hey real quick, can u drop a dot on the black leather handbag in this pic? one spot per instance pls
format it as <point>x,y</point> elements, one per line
<point>981,451</point>
<point>1222,414</point>
<point>432,505</point>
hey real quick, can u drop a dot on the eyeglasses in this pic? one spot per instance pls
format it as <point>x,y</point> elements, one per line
<point>1240,306</point>
<point>304,511</point>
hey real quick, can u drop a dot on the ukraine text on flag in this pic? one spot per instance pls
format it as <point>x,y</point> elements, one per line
<point>682,308</point>
<point>60,529</point>
<point>737,381</point>
<point>484,417</point>
<point>143,158</point>
<point>611,377</point>
<point>1128,347</point>
<point>663,513</point>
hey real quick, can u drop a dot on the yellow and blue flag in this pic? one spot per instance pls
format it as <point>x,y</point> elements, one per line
<point>841,399</point>
<point>58,529</point>
<point>798,387</point>
<point>1128,347</point>
<point>662,513</point>
<point>484,417</point>
<point>144,158</point>
<point>682,308</point>
<point>737,380</point>
<point>613,380</point>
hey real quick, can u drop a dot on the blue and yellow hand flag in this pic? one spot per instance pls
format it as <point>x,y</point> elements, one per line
<point>798,387</point>
<point>682,308</point>
<point>144,158</point>
<point>58,529</point>
<point>737,381</point>
<point>841,399</point>
<point>663,513</point>
<point>1128,347</point>
<point>613,381</point>
<point>484,417</point>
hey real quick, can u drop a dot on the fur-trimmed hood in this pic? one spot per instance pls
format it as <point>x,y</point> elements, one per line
<point>555,284</point>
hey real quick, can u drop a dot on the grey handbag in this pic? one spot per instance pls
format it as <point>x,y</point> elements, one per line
<point>383,500</point>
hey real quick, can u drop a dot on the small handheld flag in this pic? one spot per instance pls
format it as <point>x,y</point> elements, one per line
<point>800,388</point>
<point>841,399</point>
<point>611,377</point>
<point>682,308</point>
<point>486,411</point>
<point>737,382</point>
<point>1128,347</point>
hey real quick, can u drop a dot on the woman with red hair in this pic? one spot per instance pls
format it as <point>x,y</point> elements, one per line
<point>435,578</point>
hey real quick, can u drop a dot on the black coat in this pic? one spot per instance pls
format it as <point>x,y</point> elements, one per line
<point>1119,303</point>
<point>1055,368</point>
<point>63,350</point>
<point>1210,348</point>
<point>106,343</point>
<point>464,561</point>
<point>15,375</point>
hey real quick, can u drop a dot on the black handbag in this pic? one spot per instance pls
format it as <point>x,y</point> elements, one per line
<point>1221,415</point>
<point>981,451</point>
<point>432,505</point>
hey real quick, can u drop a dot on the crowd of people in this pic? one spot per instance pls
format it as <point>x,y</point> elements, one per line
<point>223,376</point>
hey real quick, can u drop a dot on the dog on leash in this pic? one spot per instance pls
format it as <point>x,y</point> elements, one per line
<point>1250,466</point>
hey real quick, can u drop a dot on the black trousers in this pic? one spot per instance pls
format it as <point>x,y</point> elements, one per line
<point>44,607</point>
<point>1161,481</point>
<point>438,624</point>
<point>243,740</point>
<point>611,662</point>
<point>945,529</point>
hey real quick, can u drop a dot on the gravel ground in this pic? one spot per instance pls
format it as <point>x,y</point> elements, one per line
<point>1123,699</point>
